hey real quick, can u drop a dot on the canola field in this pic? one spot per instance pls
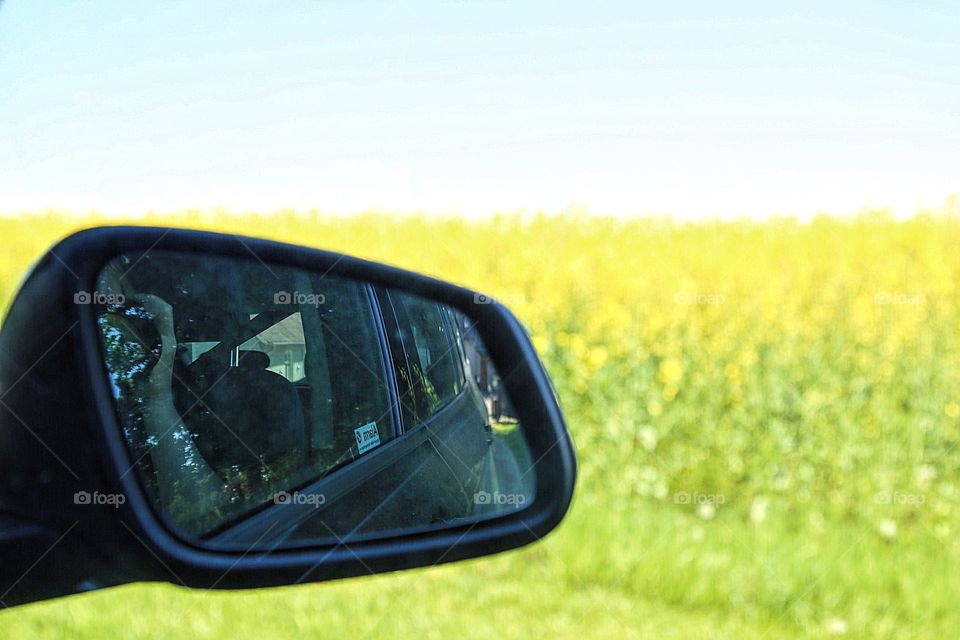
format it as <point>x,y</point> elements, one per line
<point>766,414</point>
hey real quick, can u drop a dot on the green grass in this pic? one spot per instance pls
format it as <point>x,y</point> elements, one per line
<point>610,571</point>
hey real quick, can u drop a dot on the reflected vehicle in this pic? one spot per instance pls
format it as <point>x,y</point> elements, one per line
<point>269,406</point>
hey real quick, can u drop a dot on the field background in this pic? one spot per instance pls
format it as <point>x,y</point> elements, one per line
<point>767,417</point>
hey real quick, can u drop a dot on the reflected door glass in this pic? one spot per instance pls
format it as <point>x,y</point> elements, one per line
<point>224,400</point>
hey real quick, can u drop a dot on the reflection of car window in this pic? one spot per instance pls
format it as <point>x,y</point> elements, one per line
<point>273,389</point>
<point>431,351</point>
<point>340,401</point>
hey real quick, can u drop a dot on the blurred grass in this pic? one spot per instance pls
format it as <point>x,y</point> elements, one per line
<point>766,417</point>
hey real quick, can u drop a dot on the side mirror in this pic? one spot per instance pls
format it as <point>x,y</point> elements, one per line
<point>225,412</point>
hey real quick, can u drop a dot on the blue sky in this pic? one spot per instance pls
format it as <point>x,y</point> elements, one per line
<point>690,109</point>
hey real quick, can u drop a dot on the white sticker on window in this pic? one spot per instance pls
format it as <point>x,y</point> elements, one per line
<point>367,436</point>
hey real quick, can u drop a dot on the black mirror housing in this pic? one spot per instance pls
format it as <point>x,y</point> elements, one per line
<point>61,441</point>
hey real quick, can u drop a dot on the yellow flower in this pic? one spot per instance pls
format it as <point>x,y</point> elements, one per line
<point>597,357</point>
<point>671,371</point>
<point>541,343</point>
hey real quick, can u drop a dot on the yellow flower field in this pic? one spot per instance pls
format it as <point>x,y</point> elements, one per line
<point>767,418</point>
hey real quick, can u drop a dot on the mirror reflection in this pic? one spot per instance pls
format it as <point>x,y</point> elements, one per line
<point>268,406</point>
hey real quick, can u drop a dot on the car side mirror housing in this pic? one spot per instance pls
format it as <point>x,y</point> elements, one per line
<point>225,412</point>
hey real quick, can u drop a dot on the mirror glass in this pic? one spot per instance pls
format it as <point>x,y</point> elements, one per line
<point>268,406</point>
